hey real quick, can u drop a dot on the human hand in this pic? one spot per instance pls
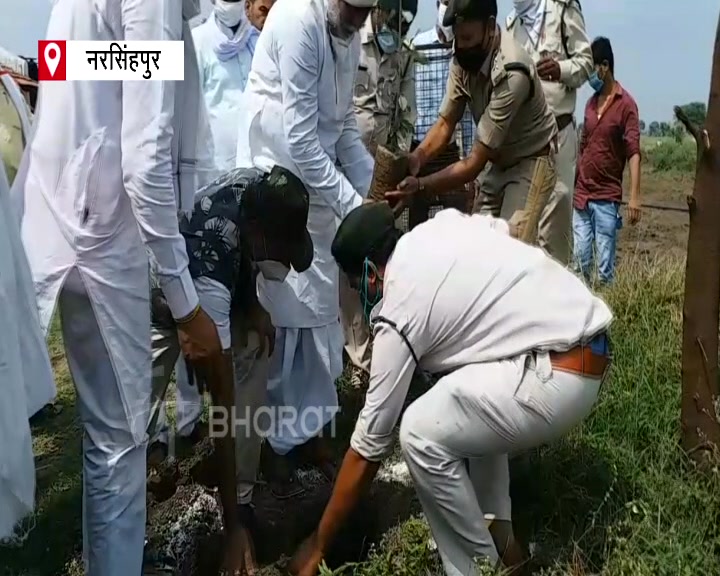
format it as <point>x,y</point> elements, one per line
<point>633,212</point>
<point>239,557</point>
<point>258,321</point>
<point>408,188</point>
<point>549,69</point>
<point>199,339</point>
<point>307,558</point>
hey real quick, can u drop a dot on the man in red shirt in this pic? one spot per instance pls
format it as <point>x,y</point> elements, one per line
<point>610,140</point>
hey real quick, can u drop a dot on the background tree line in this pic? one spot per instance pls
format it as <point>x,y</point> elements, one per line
<point>696,112</point>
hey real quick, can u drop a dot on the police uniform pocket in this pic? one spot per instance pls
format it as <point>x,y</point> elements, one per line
<point>362,81</point>
<point>536,386</point>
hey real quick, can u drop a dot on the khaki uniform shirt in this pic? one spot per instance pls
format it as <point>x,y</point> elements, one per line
<point>384,86</point>
<point>563,20</point>
<point>12,140</point>
<point>507,102</point>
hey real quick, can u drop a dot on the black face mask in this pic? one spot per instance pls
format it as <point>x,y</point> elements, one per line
<point>471,59</point>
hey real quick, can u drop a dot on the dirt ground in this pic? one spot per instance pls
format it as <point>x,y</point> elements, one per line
<point>660,231</point>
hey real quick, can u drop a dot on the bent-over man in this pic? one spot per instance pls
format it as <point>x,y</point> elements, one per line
<point>299,114</point>
<point>517,365</point>
<point>245,219</point>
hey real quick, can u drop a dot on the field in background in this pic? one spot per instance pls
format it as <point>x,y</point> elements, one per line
<point>616,498</point>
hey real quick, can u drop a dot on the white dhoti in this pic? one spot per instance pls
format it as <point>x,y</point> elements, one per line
<point>456,439</point>
<point>302,396</point>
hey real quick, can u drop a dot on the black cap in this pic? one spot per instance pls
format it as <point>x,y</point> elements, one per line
<point>279,202</point>
<point>459,10</point>
<point>361,233</point>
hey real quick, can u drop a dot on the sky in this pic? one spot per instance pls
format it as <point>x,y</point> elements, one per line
<point>663,48</point>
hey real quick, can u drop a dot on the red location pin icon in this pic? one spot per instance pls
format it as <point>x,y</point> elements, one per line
<point>52,57</point>
<point>52,60</point>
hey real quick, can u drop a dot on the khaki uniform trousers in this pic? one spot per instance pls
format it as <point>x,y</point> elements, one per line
<point>555,234</point>
<point>518,194</point>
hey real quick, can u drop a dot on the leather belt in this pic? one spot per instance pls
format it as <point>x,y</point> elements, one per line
<point>563,121</point>
<point>590,359</point>
<point>544,151</point>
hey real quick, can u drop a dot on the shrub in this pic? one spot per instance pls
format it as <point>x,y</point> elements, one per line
<point>668,155</point>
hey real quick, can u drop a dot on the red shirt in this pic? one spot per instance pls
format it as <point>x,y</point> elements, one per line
<point>606,146</point>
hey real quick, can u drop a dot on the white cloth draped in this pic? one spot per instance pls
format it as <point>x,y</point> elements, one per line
<point>24,370</point>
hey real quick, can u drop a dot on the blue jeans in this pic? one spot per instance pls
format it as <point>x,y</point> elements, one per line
<point>595,238</point>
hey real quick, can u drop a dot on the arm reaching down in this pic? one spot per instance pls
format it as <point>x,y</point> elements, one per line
<point>356,161</point>
<point>146,142</point>
<point>392,370</point>
<point>300,64</point>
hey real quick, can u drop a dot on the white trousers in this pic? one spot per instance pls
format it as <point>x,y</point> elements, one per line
<point>301,385</point>
<point>114,472</point>
<point>250,373</point>
<point>456,439</point>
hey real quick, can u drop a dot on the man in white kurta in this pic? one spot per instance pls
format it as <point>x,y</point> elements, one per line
<point>225,44</point>
<point>24,366</point>
<point>517,365</point>
<point>108,168</point>
<point>300,116</point>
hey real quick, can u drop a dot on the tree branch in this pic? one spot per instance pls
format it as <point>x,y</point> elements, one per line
<point>702,138</point>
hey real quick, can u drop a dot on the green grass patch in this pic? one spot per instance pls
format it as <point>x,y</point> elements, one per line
<point>668,155</point>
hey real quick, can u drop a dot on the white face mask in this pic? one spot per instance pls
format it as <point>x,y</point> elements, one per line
<point>446,30</point>
<point>273,270</point>
<point>229,13</point>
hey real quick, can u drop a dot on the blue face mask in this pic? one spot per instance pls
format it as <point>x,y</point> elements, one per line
<point>365,300</point>
<point>596,83</point>
<point>387,40</point>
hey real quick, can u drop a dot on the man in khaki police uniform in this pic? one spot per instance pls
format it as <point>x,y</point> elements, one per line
<point>516,130</point>
<point>385,110</point>
<point>553,33</point>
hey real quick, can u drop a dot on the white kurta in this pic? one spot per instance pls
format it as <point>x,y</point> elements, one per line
<point>102,180</point>
<point>299,115</point>
<point>98,183</point>
<point>38,391</point>
<point>222,84</point>
<point>24,366</point>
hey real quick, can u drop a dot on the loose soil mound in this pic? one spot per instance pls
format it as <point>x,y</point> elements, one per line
<point>185,518</point>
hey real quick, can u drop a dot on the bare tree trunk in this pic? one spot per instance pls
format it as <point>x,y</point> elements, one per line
<point>700,427</point>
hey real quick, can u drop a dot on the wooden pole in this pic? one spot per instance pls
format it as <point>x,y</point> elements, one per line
<point>700,427</point>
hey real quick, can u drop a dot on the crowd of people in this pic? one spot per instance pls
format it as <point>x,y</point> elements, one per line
<point>219,229</point>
